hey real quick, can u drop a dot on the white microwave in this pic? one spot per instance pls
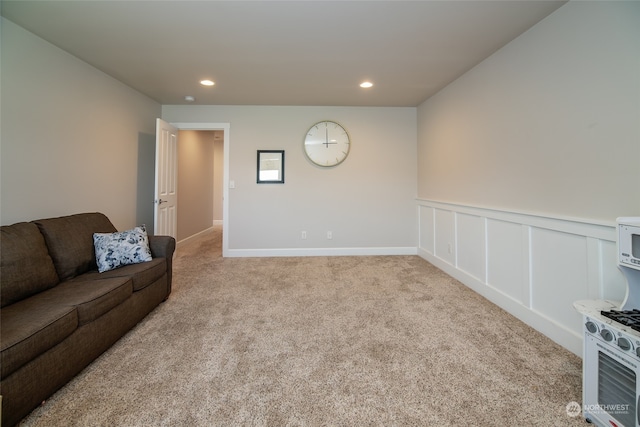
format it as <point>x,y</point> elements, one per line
<point>629,242</point>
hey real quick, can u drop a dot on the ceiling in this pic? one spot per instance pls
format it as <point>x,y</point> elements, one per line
<point>281,52</point>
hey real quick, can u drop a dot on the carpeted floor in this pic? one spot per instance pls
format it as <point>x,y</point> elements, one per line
<point>320,341</point>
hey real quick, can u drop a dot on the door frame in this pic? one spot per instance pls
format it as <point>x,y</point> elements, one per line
<point>225,179</point>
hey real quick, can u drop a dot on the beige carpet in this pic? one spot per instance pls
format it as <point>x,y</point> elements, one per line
<point>321,341</point>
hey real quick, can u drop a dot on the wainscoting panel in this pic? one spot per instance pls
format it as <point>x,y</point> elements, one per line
<point>506,259</point>
<point>471,245</point>
<point>445,235</point>
<point>426,222</point>
<point>532,266</point>
<point>559,268</point>
<point>613,284</point>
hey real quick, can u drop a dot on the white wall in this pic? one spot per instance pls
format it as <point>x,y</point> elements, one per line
<point>548,124</point>
<point>368,202</point>
<point>526,161</point>
<point>70,136</point>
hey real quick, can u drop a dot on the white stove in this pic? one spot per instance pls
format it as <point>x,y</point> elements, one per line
<point>611,350</point>
<point>611,364</point>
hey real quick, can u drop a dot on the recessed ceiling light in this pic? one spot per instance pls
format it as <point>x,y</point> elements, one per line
<point>366,84</point>
<point>189,98</point>
<point>207,82</point>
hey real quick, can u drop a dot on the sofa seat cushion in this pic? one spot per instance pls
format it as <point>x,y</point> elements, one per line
<point>31,327</point>
<point>25,263</point>
<point>92,298</point>
<point>142,275</point>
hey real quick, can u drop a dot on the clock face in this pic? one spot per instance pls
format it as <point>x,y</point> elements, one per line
<point>327,144</point>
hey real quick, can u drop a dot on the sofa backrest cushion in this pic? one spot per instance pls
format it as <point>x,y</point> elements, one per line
<point>70,241</point>
<point>25,265</point>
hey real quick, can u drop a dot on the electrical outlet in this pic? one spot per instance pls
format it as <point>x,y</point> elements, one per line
<point>329,235</point>
<point>303,235</point>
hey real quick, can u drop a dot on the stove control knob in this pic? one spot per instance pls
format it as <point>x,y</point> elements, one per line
<point>606,334</point>
<point>624,344</point>
<point>638,351</point>
<point>591,327</point>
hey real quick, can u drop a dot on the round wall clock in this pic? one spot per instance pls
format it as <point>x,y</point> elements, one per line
<point>327,144</point>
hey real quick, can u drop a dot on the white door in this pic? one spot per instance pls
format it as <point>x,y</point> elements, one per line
<point>166,194</point>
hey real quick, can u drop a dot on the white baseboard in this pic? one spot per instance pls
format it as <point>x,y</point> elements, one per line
<point>300,252</point>
<point>193,237</point>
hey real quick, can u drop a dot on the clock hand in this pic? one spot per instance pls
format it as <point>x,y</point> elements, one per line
<point>327,143</point>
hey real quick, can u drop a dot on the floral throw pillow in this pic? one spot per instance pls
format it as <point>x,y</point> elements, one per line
<point>114,250</point>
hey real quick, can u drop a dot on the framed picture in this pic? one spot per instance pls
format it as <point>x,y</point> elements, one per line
<point>270,167</point>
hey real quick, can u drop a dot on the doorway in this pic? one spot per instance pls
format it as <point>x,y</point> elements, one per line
<point>200,176</point>
<point>224,133</point>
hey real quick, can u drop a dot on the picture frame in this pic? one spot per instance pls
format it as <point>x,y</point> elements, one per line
<point>270,167</point>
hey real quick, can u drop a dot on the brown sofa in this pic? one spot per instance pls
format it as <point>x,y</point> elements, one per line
<point>58,313</point>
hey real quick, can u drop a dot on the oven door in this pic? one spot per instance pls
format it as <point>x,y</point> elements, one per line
<point>610,388</point>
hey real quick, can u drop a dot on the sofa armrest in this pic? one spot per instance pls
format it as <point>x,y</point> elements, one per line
<point>164,247</point>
